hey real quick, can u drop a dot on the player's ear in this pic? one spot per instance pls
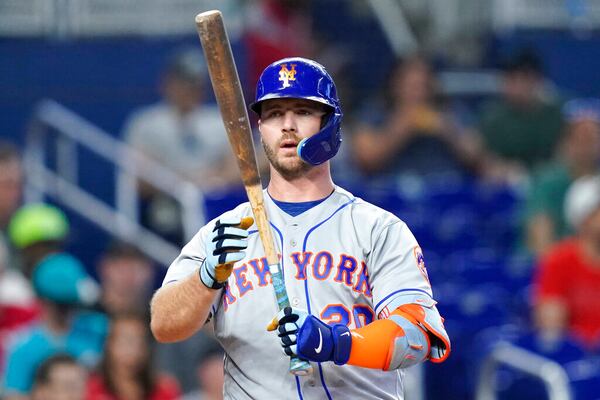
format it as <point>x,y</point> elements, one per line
<point>259,126</point>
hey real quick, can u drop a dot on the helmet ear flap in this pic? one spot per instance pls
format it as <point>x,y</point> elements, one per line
<point>325,144</point>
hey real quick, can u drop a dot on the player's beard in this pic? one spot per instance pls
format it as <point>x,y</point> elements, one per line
<point>288,167</point>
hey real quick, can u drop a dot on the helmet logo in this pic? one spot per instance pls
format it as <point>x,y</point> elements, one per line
<point>286,75</point>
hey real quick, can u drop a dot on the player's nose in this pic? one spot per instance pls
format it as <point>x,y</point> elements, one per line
<point>289,121</point>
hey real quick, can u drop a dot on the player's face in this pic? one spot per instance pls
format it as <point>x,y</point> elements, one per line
<point>283,124</point>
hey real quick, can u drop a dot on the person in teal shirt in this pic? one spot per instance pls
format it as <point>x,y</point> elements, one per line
<point>62,284</point>
<point>579,155</point>
<point>521,130</point>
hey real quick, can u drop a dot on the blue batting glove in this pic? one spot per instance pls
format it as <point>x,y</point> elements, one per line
<point>311,339</point>
<point>224,247</point>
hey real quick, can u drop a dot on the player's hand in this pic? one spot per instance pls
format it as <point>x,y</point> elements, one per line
<point>310,338</point>
<point>224,246</point>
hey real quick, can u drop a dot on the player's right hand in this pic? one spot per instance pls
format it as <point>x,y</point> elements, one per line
<point>224,247</point>
<point>309,338</point>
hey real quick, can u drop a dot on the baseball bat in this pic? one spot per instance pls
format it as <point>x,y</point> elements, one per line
<point>230,98</point>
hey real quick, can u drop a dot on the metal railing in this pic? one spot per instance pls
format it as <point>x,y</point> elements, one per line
<point>545,14</point>
<point>553,376</point>
<point>395,26</point>
<point>60,179</point>
<point>92,18</point>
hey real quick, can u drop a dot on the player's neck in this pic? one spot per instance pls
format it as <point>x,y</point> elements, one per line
<point>314,185</point>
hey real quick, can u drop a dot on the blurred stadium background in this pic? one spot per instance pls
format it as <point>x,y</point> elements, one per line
<point>72,71</point>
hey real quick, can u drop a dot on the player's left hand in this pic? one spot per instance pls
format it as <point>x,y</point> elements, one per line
<point>310,338</point>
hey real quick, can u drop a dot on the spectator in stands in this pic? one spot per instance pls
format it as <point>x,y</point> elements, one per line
<point>11,185</point>
<point>18,306</point>
<point>61,283</point>
<point>126,370</point>
<point>209,373</point>
<point>127,278</point>
<point>180,359</point>
<point>275,29</point>
<point>522,128</point>
<point>11,182</point>
<point>579,155</point>
<point>37,230</point>
<point>184,134</point>
<point>59,377</point>
<point>567,282</point>
<point>408,131</point>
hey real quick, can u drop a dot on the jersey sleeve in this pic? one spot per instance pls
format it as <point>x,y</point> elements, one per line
<point>189,260</point>
<point>191,257</point>
<point>396,268</point>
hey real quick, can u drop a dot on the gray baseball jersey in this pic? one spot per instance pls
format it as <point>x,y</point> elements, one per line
<point>344,261</point>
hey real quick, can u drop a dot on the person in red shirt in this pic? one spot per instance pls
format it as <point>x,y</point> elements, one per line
<point>567,282</point>
<point>19,308</point>
<point>126,371</point>
<point>276,29</point>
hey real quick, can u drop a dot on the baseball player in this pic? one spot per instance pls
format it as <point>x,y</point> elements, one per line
<point>362,306</point>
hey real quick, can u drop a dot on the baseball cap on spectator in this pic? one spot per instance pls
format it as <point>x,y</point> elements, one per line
<point>582,109</point>
<point>523,60</point>
<point>582,200</point>
<point>35,223</point>
<point>14,288</point>
<point>187,64</point>
<point>61,278</point>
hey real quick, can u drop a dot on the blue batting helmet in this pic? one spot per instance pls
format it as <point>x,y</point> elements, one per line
<point>300,78</point>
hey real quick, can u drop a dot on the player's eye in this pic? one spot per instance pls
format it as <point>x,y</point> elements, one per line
<point>304,111</point>
<point>271,114</point>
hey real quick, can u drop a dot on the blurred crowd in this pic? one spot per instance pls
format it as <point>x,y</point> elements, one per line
<point>78,329</point>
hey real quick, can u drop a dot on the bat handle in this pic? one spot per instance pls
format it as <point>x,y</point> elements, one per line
<point>298,367</point>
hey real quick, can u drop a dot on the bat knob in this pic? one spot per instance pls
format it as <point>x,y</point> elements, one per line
<point>208,15</point>
<point>300,367</point>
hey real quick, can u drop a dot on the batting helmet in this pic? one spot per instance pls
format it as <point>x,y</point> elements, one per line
<point>300,78</point>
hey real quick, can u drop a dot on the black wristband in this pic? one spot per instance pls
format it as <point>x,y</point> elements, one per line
<point>205,276</point>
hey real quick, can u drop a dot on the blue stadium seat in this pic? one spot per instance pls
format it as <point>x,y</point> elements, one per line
<point>217,202</point>
<point>582,369</point>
